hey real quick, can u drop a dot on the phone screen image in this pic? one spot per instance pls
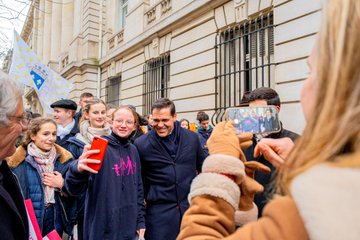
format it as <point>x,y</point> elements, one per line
<point>257,120</point>
<point>101,144</point>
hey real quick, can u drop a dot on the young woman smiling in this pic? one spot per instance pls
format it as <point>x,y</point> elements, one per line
<point>39,165</point>
<point>114,203</point>
<point>93,123</point>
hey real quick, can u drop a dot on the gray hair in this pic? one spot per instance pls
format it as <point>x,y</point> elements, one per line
<point>10,96</point>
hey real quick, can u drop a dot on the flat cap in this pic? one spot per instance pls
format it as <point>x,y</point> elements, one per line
<point>65,103</point>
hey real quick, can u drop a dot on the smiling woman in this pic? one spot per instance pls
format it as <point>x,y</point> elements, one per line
<point>116,189</point>
<point>39,164</point>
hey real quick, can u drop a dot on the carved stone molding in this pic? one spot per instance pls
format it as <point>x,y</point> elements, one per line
<point>116,39</point>
<point>165,6</point>
<point>151,15</point>
<point>241,11</point>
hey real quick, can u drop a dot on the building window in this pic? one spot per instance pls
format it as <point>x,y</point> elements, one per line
<point>122,9</point>
<point>113,91</point>
<point>244,61</point>
<point>156,81</point>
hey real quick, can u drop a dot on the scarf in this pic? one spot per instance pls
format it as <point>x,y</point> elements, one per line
<point>88,133</point>
<point>63,131</point>
<point>45,161</point>
<point>171,142</point>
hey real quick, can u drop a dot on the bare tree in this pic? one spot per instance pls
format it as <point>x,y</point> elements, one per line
<point>12,16</point>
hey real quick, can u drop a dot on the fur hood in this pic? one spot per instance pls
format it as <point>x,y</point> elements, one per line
<point>19,156</point>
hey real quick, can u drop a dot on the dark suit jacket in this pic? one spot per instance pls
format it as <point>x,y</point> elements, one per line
<point>13,220</point>
<point>167,180</point>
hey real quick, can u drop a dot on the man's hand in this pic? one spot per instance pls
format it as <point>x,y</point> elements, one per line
<point>84,160</point>
<point>274,150</point>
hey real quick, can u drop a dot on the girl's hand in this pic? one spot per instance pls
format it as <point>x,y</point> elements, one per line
<point>54,179</point>
<point>84,160</point>
<point>141,233</point>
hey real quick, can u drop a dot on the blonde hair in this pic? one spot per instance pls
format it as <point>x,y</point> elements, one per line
<point>88,106</point>
<point>334,127</point>
<point>127,107</point>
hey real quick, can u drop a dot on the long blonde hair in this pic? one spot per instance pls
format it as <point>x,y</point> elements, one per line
<point>334,127</point>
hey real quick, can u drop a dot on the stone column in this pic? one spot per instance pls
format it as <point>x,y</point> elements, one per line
<point>40,32</point>
<point>35,31</point>
<point>47,32</point>
<point>77,18</point>
<point>56,32</point>
<point>67,24</point>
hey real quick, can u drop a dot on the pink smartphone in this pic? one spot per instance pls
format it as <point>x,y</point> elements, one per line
<point>101,144</point>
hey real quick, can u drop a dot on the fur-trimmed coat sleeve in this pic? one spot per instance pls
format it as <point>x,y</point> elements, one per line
<point>213,218</point>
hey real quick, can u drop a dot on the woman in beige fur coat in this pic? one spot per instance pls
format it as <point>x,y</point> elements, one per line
<point>320,179</point>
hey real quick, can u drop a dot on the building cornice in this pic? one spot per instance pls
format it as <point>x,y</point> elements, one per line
<point>75,66</point>
<point>28,24</point>
<point>195,8</point>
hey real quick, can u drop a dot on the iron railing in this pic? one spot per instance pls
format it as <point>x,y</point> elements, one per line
<point>156,81</point>
<point>113,91</point>
<point>244,61</point>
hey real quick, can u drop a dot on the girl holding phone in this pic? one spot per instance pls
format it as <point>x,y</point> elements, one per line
<point>93,123</point>
<point>114,203</point>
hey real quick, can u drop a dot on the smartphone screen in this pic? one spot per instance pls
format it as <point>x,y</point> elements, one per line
<point>101,144</point>
<point>257,120</point>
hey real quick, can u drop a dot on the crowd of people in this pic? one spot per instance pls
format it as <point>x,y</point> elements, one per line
<point>159,180</point>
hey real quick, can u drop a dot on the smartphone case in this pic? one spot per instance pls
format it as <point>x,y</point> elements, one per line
<point>101,144</point>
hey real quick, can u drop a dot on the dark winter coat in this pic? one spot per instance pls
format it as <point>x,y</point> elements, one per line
<point>167,178</point>
<point>75,146</point>
<point>203,137</point>
<point>28,173</point>
<point>64,141</point>
<point>13,220</point>
<point>77,117</point>
<point>114,202</point>
<point>266,179</point>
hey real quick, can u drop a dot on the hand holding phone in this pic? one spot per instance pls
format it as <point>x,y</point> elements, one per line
<point>257,120</point>
<point>100,144</point>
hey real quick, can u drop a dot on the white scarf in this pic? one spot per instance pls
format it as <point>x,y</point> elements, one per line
<point>63,131</point>
<point>45,160</point>
<point>88,133</point>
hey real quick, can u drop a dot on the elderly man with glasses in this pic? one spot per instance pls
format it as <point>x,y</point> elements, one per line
<point>13,121</point>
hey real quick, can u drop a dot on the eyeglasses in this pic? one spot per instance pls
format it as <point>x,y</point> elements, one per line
<point>23,120</point>
<point>127,122</point>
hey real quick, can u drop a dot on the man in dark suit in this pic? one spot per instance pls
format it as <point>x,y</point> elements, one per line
<point>171,157</point>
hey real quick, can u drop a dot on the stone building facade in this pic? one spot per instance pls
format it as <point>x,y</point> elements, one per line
<point>203,54</point>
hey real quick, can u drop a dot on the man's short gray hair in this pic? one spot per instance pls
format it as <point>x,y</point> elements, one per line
<point>10,96</point>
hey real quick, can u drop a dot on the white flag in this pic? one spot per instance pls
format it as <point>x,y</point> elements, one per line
<point>27,68</point>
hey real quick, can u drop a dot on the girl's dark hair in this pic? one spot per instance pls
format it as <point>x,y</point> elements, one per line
<point>185,120</point>
<point>34,128</point>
